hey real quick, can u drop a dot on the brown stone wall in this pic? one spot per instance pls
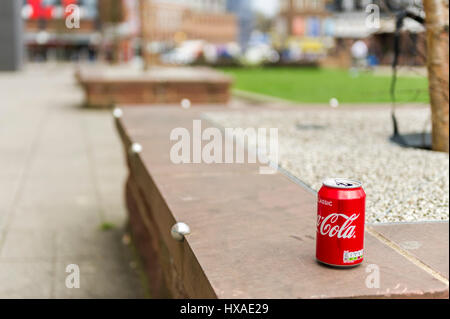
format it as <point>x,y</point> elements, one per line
<point>106,94</point>
<point>171,268</point>
<point>148,242</point>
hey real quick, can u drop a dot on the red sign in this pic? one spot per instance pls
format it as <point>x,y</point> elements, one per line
<point>41,11</point>
<point>298,26</point>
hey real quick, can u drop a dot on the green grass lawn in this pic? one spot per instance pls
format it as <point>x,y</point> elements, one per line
<point>316,85</point>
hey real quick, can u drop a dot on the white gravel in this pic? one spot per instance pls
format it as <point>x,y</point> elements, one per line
<point>402,185</point>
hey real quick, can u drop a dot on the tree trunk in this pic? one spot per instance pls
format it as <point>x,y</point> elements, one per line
<point>437,20</point>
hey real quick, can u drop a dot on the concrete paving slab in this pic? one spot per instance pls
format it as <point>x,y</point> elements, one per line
<point>117,281</point>
<point>56,217</point>
<point>426,241</point>
<point>37,195</point>
<point>26,245</point>
<point>115,214</point>
<point>76,244</point>
<point>26,279</point>
<point>51,202</point>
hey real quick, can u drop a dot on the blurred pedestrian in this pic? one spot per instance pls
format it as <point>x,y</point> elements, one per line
<point>359,52</point>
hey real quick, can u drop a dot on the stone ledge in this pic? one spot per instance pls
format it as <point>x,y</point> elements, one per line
<point>253,236</point>
<point>107,86</point>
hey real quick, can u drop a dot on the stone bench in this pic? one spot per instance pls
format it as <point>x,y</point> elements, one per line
<point>253,235</point>
<point>107,86</point>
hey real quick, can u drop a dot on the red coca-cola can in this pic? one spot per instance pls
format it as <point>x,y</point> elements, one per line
<point>340,222</point>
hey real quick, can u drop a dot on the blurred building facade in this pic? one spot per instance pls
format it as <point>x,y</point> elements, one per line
<point>47,35</point>
<point>349,22</point>
<point>245,15</point>
<point>175,21</point>
<point>80,29</point>
<point>300,27</point>
<point>303,17</point>
<point>326,29</point>
<point>172,20</point>
<point>303,30</point>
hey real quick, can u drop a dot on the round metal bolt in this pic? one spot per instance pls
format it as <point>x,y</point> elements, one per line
<point>136,148</point>
<point>185,103</point>
<point>334,102</point>
<point>117,113</point>
<point>179,230</point>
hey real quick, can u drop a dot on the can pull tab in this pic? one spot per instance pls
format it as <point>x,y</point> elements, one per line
<point>344,184</point>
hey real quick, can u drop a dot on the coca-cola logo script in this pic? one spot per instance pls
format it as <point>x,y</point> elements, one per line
<point>327,225</point>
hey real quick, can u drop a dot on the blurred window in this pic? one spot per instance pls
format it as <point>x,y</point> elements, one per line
<point>348,5</point>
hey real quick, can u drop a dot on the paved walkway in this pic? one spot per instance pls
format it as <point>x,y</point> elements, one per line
<point>61,192</point>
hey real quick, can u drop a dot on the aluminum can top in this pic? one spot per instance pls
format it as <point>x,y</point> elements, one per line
<point>342,183</point>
